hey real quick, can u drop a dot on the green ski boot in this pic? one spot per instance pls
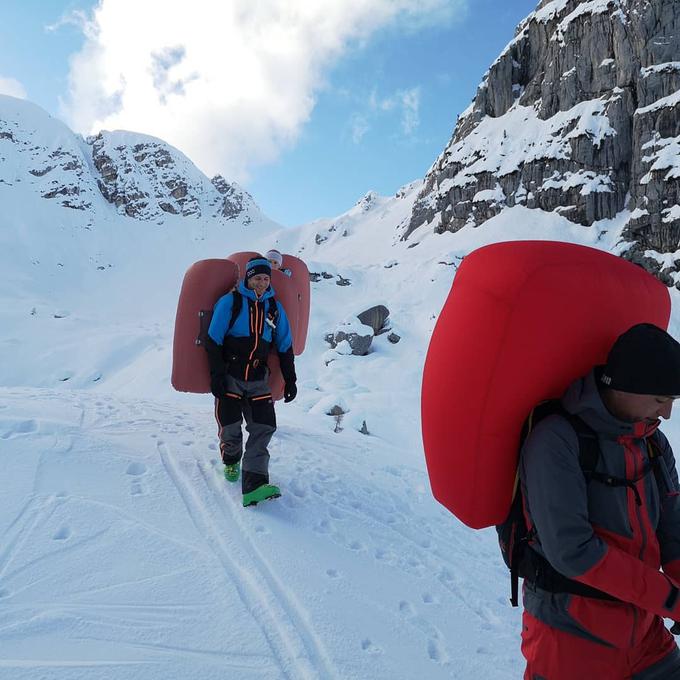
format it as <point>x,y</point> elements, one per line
<point>231,472</point>
<point>262,493</point>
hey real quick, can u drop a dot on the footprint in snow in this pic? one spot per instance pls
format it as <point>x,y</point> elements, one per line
<point>332,573</point>
<point>135,469</point>
<point>335,513</point>
<point>435,649</point>
<point>406,609</point>
<point>62,534</point>
<point>19,428</point>
<point>370,648</point>
<point>323,527</point>
<point>436,652</point>
<point>298,488</point>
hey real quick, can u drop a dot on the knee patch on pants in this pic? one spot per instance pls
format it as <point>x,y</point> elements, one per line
<point>262,410</point>
<point>228,410</point>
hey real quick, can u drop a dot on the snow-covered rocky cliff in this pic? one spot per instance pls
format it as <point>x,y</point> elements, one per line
<point>579,115</point>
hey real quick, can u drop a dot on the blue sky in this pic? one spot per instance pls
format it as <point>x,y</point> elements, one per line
<point>371,113</point>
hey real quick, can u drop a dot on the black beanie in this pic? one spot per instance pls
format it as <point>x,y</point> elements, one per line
<point>257,265</point>
<point>644,360</point>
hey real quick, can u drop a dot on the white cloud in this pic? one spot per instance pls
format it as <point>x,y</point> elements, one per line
<point>410,106</point>
<point>229,82</point>
<point>359,127</point>
<point>406,102</point>
<point>12,87</point>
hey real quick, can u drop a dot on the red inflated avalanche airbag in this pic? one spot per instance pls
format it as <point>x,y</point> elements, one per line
<point>523,319</point>
<point>204,283</point>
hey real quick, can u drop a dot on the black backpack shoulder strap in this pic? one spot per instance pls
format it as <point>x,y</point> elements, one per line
<point>663,478</point>
<point>273,309</point>
<point>236,306</point>
<point>589,447</point>
<point>588,444</point>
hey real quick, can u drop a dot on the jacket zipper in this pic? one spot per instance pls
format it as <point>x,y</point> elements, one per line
<point>634,452</point>
<point>257,336</point>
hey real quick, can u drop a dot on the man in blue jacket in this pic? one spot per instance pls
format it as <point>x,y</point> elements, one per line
<point>245,324</point>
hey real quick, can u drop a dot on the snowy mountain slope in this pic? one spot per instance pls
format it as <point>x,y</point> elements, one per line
<point>123,552</point>
<point>126,555</point>
<point>89,278</point>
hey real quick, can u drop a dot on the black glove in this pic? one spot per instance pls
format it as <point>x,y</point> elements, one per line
<point>676,628</point>
<point>218,385</point>
<point>218,368</point>
<point>289,392</point>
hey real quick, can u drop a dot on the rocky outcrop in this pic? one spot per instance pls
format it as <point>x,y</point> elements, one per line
<point>53,163</point>
<point>233,201</point>
<point>580,115</point>
<point>351,337</point>
<point>146,178</point>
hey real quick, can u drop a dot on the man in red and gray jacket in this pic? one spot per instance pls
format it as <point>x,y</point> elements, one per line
<point>610,538</point>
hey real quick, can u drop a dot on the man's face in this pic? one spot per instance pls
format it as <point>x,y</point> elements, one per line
<point>274,264</point>
<point>647,408</point>
<point>259,283</point>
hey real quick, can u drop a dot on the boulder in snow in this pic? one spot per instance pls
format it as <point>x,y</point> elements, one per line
<point>375,317</point>
<point>353,334</point>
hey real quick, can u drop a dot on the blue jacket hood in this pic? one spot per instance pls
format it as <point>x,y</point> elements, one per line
<point>247,292</point>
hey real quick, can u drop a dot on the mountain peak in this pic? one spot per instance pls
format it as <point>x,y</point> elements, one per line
<point>141,176</point>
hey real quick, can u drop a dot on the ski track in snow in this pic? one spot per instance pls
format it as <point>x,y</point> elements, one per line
<point>294,645</point>
<point>354,520</point>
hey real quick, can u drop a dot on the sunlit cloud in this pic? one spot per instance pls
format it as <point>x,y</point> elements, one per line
<point>405,102</point>
<point>359,127</point>
<point>410,107</point>
<point>12,87</point>
<point>230,83</point>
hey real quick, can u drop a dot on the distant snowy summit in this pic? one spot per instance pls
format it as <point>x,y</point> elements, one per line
<point>579,115</point>
<point>140,176</point>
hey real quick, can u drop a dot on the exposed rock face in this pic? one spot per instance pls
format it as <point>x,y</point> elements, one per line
<point>234,201</point>
<point>145,178</point>
<point>53,163</point>
<point>581,115</point>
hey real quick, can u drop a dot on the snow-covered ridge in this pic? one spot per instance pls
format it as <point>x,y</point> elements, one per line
<point>141,176</point>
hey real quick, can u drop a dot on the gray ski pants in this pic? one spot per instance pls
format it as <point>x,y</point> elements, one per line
<point>250,400</point>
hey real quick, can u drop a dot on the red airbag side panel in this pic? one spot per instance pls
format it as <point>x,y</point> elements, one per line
<point>204,283</point>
